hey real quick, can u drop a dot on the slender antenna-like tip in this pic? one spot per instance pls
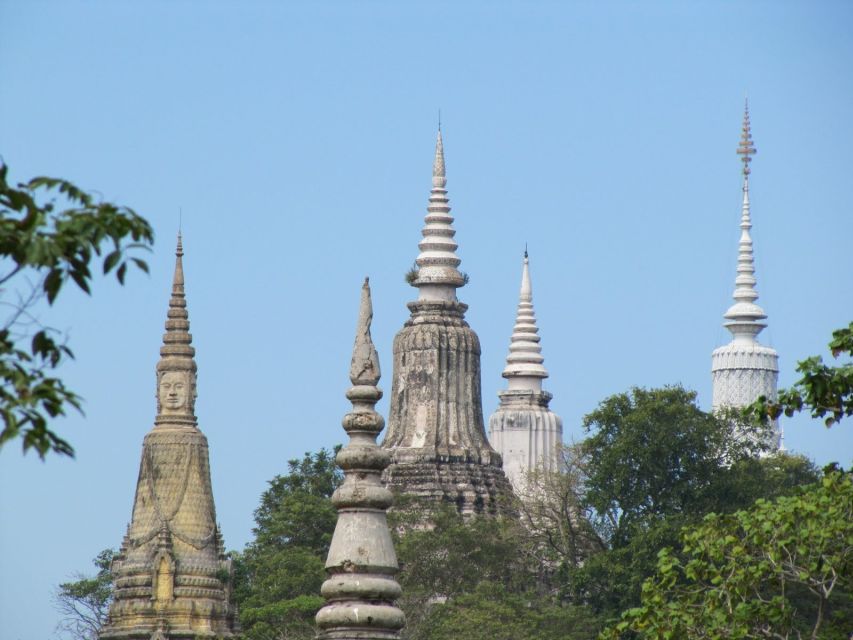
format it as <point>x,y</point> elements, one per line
<point>439,120</point>
<point>180,218</point>
<point>525,250</point>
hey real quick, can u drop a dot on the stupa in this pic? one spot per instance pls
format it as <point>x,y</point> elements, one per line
<point>744,369</point>
<point>435,425</point>
<point>171,576</point>
<point>524,430</point>
<point>361,588</point>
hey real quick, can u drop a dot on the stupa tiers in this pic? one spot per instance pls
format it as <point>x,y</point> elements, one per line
<point>171,575</point>
<point>435,426</point>
<point>743,370</point>
<point>361,588</point>
<point>524,431</point>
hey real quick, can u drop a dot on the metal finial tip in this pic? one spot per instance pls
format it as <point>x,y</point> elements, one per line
<point>525,250</point>
<point>179,250</point>
<point>439,120</point>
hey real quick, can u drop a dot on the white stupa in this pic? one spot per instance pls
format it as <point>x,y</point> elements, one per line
<point>744,369</point>
<point>524,430</point>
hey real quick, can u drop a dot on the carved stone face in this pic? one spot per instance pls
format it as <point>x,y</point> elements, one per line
<point>174,392</point>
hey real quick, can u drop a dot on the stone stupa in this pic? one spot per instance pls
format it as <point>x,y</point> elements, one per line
<point>171,576</point>
<point>435,425</point>
<point>524,430</point>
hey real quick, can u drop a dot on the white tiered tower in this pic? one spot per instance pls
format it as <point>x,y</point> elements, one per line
<point>524,430</point>
<point>743,370</point>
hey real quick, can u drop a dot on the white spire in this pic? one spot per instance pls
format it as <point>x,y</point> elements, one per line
<point>744,317</point>
<point>524,368</point>
<point>438,277</point>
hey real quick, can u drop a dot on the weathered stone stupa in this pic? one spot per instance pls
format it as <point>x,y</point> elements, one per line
<point>744,369</point>
<point>524,430</point>
<point>361,588</point>
<point>171,575</point>
<point>435,425</point>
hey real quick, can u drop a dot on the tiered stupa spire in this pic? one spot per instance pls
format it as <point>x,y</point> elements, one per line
<point>438,276</point>
<point>744,317</point>
<point>744,369</point>
<point>524,430</point>
<point>361,588</point>
<point>524,368</point>
<point>435,425</point>
<point>171,576</point>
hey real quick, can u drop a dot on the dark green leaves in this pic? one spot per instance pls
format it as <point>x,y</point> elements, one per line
<point>58,242</point>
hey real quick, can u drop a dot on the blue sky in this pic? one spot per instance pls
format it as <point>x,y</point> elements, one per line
<point>297,141</point>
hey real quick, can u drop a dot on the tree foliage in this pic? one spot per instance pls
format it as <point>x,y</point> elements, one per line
<point>782,569</point>
<point>278,577</point>
<point>825,391</point>
<point>654,462</point>
<point>42,247</point>
<point>83,603</point>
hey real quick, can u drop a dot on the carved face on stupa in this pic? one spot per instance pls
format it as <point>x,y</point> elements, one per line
<point>174,392</point>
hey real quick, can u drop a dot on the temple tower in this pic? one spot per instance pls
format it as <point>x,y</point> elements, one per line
<point>171,575</point>
<point>435,425</point>
<point>743,370</point>
<point>524,430</point>
<point>361,588</point>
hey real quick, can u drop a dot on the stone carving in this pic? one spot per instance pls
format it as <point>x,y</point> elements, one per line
<point>435,424</point>
<point>361,588</point>
<point>168,573</point>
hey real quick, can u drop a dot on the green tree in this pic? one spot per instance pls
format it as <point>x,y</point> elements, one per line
<point>278,577</point>
<point>782,569</point>
<point>492,613</point>
<point>42,247</point>
<point>85,602</point>
<point>655,462</point>
<point>827,392</point>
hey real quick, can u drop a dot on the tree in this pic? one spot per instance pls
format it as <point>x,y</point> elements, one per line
<point>782,569</point>
<point>85,602</point>
<point>278,577</point>
<point>42,246</point>
<point>654,462</point>
<point>556,517</point>
<point>827,392</point>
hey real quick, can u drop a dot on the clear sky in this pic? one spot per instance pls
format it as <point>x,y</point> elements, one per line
<point>297,139</point>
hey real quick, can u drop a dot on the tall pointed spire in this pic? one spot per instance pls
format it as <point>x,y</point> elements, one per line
<point>440,453</point>
<point>438,276</point>
<point>361,588</point>
<point>177,367</point>
<point>171,576</point>
<point>744,369</point>
<point>524,368</point>
<point>744,317</point>
<point>524,430</point>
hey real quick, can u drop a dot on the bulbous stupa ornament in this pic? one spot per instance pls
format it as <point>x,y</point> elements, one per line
<point>360,590</point>
<point>744,369</point>
<point>171,576</point>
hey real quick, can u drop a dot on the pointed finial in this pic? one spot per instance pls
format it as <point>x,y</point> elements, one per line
<point>524,368</point>
<point>364,369</point>
<point>439,120</point>
<point>361,589</point>
<point>744,317</point>
<point>437,275</point>
<point>438,170</point>
<point>176,370</point>
<point>746,149</point>
<point>525,251</point>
